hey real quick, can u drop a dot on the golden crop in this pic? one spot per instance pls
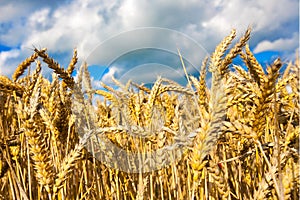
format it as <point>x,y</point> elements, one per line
<point>239,138</point>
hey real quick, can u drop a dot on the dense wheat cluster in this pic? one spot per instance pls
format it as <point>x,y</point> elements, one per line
<point>237,139</point>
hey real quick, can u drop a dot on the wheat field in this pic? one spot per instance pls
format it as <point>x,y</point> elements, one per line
<point>237,139</point>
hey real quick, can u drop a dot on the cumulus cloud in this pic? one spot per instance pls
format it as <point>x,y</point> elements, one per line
<point>10,10</point>
<point>6,56</point>
<point>280,44</point>
<point>262,15</point>
<point>107,77</point>
<point>148,73</point>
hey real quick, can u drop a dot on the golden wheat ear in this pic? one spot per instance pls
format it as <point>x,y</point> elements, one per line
<point>216,57</point>
<point>72,63</point>
<point>267,92</point>
<point>235,51</point>
<point>37,143</point>
<point>52,64</point>
<point>200,85</point>
<point>6,85</point>
<point>255,68</point>
<point>66,167</point>
<point>23,66</point>
<point>212,127</point>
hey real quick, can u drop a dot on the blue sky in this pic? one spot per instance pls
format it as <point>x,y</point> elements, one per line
<point>99,29</point>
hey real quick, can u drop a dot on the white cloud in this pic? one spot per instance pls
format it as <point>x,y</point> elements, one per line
<point>4,57</point>
<point>10,10</point>
<point>70,26</point>
<point>263,15</point>
<point>107,77</point>
<point>15,17</point>
<point>39,19</point>
<point>281,44</point>
<point>148,73</point>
